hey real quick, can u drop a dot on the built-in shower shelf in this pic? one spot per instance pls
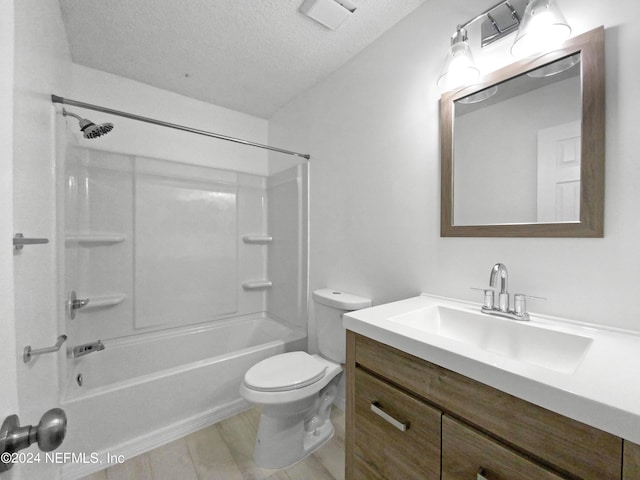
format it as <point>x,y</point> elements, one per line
<point>257,285</point>
<point>257,239</point>
<point>93,238</point>
<point>104,301</point>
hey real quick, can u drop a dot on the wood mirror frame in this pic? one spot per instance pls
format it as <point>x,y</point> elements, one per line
<point>591,224</point>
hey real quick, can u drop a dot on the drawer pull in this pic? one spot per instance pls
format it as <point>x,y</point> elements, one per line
<point>481,474</point>
<point>377,409</point>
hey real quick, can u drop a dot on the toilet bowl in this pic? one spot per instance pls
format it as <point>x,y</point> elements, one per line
<point>296,389</point>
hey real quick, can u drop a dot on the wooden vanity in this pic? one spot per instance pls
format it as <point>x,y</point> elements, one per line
<point>408,418</point>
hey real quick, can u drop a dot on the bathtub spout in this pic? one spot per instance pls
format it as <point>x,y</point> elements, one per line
<point>87,348</point>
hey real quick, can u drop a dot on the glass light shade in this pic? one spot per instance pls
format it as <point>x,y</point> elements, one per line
<point>556,67</point>
<point>542,27</point>
<point>481,96</point>
<point>459,68</point>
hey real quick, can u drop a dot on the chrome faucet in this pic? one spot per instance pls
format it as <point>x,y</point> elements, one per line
<point>503,296</point>
<point>519,311</point>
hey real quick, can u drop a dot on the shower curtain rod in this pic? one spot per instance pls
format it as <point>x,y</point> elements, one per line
<point>74,103</point>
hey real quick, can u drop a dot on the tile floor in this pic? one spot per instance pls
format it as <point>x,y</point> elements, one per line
<point>224,452</point>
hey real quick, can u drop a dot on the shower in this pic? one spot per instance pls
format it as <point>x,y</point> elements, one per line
<point>191,264</point>
<point>88,128</point>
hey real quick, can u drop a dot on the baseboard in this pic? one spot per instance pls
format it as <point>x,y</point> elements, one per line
<point>157,438</point>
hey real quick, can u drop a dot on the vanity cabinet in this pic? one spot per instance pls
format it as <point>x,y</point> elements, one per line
<point>481,428</point>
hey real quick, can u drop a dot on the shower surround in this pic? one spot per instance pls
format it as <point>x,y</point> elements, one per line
<point>192,274</point>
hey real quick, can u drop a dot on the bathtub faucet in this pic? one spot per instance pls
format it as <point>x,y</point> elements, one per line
<point>87,348</point>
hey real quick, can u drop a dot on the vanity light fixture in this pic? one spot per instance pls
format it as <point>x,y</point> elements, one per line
<point>540,25</point>
<point>459,68</point>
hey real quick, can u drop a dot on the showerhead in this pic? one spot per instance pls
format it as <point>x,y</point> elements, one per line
<point>88,128</point>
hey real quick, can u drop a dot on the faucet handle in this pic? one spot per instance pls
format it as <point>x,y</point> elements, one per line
<point>520,302</point>
<point>488,296</point>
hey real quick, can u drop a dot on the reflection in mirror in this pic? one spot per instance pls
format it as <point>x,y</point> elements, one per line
<point>523,151</point>
<point>517,149</point>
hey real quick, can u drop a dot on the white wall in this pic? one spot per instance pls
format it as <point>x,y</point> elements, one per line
<point>372,130</point>
<point>137,138</point>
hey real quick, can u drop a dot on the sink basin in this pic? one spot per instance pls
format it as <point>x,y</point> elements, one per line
<point>521,341</point>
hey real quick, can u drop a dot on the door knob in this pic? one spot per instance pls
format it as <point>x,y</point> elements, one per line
<point>49,434</point>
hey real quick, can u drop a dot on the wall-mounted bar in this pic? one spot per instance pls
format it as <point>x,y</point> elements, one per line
<point>93,238</point>
<point>257,239</point>
<point>29,353</point>
<point>257,285</point>
<point>19,241</point>
<point>105,301</point>
<point>66,101</point>
<point>93,303</point>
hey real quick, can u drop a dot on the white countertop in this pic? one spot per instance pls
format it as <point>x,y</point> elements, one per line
<point>603,391</point>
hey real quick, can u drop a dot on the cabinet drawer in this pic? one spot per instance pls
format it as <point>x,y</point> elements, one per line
<point>381,449</point>
<point>631,461</point>
<point>468,454</point>
<point>553,439</point>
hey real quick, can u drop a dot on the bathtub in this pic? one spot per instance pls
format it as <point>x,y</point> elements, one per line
<point>143,391</point>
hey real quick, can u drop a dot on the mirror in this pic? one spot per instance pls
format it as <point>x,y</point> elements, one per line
<point>523,152</point>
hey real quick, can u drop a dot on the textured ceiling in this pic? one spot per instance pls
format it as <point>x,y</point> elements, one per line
<point>251,56</point>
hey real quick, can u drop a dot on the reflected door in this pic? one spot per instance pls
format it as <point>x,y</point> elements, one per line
<point>559,173</point>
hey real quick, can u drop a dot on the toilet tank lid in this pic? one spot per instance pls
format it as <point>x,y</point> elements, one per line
<point>340,300</point>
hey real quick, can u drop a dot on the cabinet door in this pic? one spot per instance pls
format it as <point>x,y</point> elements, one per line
<point>468,454</point>
<point>631,461</point>
<point>395,435</point>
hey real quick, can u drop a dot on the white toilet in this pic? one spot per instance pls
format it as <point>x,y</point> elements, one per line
<point>296,390</point>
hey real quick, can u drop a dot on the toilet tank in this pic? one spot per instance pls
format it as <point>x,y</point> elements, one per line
<point>329,306</point>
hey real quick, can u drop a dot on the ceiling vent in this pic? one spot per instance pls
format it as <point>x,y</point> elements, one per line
<point>330,13</point>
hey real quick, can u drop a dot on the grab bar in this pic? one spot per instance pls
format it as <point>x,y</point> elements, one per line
<point>29,353</point>
<point>19,241</point>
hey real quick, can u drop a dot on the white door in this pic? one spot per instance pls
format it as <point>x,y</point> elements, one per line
<point>28,206</point>
<point>8,356</point>
<point>559,173</point>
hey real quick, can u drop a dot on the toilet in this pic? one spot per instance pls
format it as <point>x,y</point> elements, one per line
<point>296,389</point>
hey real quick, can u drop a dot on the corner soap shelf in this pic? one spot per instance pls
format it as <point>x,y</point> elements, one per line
<point>93,238</point>
<point>257,239</point>
<point>257,285</point>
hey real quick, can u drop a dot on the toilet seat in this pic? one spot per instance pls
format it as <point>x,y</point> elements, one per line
<point>287,371</point>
